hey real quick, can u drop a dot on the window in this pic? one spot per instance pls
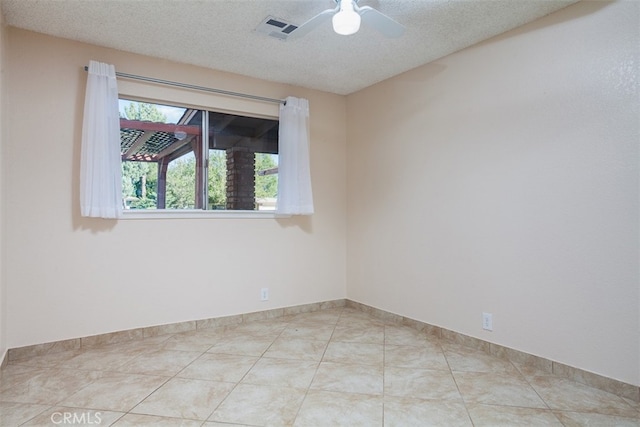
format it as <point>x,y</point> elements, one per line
<point>183,158</point>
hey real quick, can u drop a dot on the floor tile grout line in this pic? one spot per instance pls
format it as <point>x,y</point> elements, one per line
<point>317,367</point>
<point>554,410</point>
<point>455,381</point>
<point>37,415</point>
<point>171,378</point>
<point>168,379</point>
<point>176,376</point>
<point>59,402</point>
<point>258,358</point>
<point>127,412</point>
<point>262,355</point>
<point>542,399</point>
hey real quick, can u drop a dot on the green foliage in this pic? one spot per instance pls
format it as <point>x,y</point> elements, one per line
<point>144,111</point>
<point>139,183</point>
<point>217,185</point>
<point>139,179</point>
<point>181,183</point>
<point>144,203</point>
<point>266,185</point>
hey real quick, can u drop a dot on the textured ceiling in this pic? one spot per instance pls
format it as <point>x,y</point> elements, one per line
<point>220,34</point>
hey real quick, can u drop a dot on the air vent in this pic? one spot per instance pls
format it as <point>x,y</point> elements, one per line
<point>276,28</point>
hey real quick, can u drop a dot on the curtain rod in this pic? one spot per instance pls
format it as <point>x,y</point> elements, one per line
<point>200,88</point>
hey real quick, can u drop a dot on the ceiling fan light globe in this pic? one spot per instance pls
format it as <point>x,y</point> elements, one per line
<point>346,22</point>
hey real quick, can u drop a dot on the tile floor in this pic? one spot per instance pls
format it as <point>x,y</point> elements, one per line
<point>337,367</point>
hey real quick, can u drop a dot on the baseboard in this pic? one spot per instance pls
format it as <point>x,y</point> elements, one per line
<point>542,364</point>
<point>4,361</point>
<point>14,354</point>
<point>548,366</point>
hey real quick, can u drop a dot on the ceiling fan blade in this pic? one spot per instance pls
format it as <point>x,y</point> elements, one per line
<point>312,23</point>
<point>380,22</point>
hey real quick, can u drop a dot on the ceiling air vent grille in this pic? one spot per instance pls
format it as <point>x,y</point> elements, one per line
<point>276,28</point>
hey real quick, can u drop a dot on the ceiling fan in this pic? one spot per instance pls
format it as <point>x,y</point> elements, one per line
<point>346,17</point>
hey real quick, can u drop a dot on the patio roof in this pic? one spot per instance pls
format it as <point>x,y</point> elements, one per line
<point>150,141</point>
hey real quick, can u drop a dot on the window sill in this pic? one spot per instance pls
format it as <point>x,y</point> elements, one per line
<point>198,214</point>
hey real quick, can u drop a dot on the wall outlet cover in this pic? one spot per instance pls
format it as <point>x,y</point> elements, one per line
<point>487,321</point>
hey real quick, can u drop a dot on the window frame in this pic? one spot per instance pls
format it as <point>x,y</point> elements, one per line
<point>144,92</point>
<point>198,214</point>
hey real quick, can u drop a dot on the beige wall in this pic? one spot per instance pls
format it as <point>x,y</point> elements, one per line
<point>504,179</point>
<point>71,277</point>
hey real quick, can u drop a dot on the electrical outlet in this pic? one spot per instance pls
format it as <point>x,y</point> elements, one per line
<point>487,321</point>
<point>264,294</point>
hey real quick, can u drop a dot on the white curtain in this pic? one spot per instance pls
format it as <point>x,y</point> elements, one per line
<point>100,168</point>
<point>294,178</point>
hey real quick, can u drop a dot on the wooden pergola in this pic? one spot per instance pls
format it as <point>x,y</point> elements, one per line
<point>143,141</point>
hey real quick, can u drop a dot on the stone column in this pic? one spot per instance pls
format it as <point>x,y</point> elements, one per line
<point>241,179</point>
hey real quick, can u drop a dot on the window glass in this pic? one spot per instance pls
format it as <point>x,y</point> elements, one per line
<point>266,181</point>
<point>172,159</point>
